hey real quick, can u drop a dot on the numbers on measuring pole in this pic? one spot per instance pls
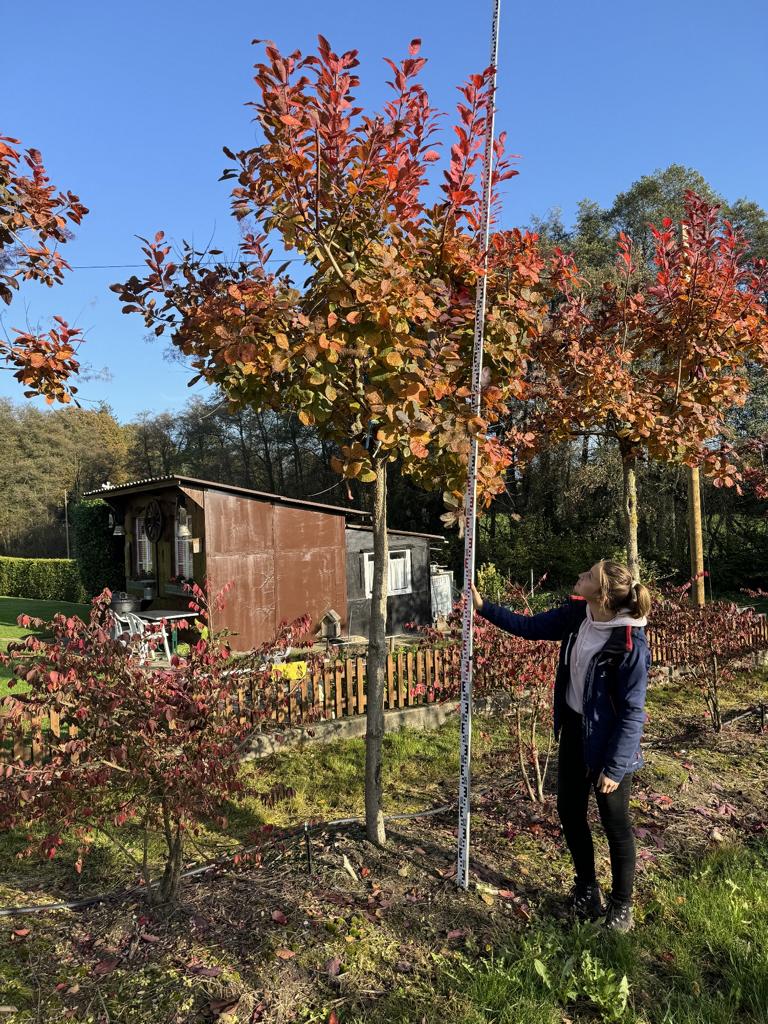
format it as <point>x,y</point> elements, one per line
<point>470,505</point>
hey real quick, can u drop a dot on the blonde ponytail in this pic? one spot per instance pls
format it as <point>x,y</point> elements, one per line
<point>619,590</point>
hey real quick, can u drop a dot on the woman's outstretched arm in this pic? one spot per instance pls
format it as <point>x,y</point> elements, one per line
<point>549,625</point>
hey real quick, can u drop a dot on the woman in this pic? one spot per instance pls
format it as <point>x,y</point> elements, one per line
<point>599,712</point>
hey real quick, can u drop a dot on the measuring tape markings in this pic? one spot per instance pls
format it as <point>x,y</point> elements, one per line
<point>465,733</point>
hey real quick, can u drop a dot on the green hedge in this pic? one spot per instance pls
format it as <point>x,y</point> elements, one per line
<point>48,579</point>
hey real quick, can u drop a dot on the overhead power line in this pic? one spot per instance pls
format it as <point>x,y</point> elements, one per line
<point>206,263</point>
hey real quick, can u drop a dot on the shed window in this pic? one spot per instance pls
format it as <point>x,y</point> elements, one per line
<point>143,548</point>
<point>399,572</point>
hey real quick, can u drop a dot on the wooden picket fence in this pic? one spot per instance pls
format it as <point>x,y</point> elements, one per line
<point>331,689</point>
<point>666,650</point>
<point>334,688</point>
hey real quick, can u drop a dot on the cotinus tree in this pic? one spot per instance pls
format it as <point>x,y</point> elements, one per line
<point>33,223</point>
<point>373,346</point>
<point>659,364</point>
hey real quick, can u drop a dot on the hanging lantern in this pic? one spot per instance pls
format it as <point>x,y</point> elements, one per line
<point>183,531</point>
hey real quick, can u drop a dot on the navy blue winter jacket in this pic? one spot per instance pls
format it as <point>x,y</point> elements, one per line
<point>614,687</point>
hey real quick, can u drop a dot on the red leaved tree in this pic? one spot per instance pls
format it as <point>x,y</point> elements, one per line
<point>33,223</point>
<point>141,747</point>
<point>658,364</point>
<point>374,347</point>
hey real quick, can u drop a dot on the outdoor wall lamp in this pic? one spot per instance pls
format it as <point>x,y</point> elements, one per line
<point>116,521</point>
<point>183,531</point>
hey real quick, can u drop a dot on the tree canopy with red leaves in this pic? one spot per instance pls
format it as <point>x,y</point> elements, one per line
<point>34,220</point>
<point>658,364</point>
<point>374,347</point>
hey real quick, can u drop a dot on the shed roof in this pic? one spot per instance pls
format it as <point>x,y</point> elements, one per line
<point>153,482</point>
<point>394,529</point>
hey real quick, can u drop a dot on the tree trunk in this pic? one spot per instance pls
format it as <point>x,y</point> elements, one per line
<point>174,862</point>
<point>695,542</point>
<point>268,464</point>
<point>377,660</point>
<point>629,463</point>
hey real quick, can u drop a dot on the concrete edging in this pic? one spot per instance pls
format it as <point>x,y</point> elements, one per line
<point>424,717</point>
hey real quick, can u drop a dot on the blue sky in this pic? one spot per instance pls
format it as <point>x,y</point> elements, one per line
<point>131,104</point>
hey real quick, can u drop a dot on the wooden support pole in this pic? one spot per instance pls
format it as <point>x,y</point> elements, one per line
<point>695,538</point>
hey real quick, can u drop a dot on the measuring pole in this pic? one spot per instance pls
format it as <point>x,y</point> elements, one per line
<point>66,521</point>
<point>470,506</point>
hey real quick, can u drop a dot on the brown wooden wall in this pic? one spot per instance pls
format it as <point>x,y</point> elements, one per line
<point>285,561</point>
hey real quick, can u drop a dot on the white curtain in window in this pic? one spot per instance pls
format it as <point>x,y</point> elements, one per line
<point>399,581</point>
<point>143,547</point>
<point>399,575</point>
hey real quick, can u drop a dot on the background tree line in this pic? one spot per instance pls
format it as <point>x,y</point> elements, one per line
<point>559,512</point>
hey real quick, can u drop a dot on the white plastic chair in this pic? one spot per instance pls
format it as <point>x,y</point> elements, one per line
<point>131,624</point>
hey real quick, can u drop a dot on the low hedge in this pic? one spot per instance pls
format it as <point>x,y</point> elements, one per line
<point>48,579</point>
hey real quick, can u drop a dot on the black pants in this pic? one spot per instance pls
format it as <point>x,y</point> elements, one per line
<point>573,786</point>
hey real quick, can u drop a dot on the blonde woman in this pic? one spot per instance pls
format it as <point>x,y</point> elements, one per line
<point>599,713</point>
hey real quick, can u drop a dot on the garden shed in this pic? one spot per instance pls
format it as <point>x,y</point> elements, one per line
<point>285,556</point>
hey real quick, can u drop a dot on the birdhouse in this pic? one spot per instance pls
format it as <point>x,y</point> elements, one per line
<point>330,625</point>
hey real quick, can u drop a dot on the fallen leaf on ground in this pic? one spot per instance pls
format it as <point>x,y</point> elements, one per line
<point>106,966</point>
<point>202,970</point>
<point>333,967</point>
<point>285,954</point>
<point>220,1006</point>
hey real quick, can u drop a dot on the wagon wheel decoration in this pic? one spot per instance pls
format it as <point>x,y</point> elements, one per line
<point>153,521</point>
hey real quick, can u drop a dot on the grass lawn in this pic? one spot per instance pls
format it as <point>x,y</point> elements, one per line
<point>12,607</point>
<point>383,936</point>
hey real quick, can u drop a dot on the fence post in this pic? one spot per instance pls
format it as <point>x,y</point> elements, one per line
<point>362,697</point>
<point>337,675</point>
<point>390,682</point>
<point>401,681</point>
<point>349,667</point>
<point>409,689</point>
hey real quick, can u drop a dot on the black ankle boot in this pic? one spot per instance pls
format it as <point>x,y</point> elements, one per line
<point>618,915</point>
<point>586,901</point>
